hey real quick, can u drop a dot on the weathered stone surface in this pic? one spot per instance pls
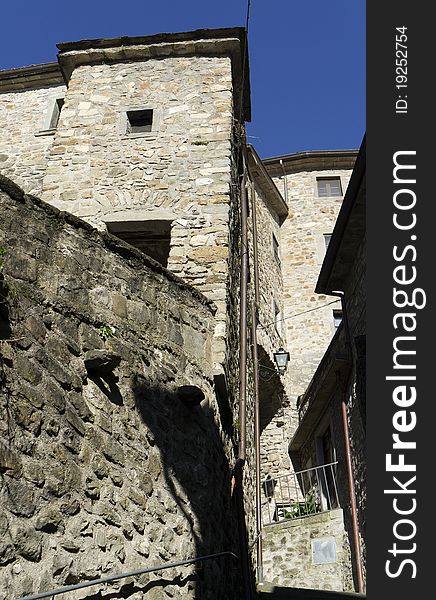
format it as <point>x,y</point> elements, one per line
<point>48,519</point>
<point>101,362</point>
<point>20,498</point>
<point>9,461</point>
<point>288,553</point>
<point>28,543</point>
<point>105,460</point>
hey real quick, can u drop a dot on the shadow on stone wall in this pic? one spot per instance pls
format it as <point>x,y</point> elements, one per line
<point>5,325</point>
<point>271,391</point>
<point>196,473</point>
<point>107,384</point>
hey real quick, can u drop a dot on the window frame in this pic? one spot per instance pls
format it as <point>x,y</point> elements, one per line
<point>124,121</point>
<point>278,319</point>
<point>327,239</point>
<point>335,315</point>
<point>275,248</point>
<point>326,179</point>
<point>55,104</point>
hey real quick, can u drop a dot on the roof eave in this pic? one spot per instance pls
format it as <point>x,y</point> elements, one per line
<point>231,42</point>
<point>30,77</point>
<point>313,160</point>
<point>261,177</point>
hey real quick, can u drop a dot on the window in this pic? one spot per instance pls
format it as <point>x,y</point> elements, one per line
<point>329,186</point>
<point>275,246</point>
<point>327,238</point>
<point>56,113</point>
<point>277,318</point>
<point>139,121</point>
<point>51,115</point>
<point>337,318</point>
<point>151,237</point>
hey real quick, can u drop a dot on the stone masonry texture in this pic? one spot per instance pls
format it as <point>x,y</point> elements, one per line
<point>105,472</point>
<point>91,167</point>
<point>96,170</point>
<point>288,556</point>
<point>23,153</point>
<point>354,286</point>
<point>302,242</point>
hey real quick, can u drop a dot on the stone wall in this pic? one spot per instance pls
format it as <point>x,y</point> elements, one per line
<point>23,152</point>
<point>179,172</point>
<point>303,247</point>
<point>355,295</point>
<point>271,334</point>
<point>289,559</point>
<point>99,172</point>
<point>108,470</point>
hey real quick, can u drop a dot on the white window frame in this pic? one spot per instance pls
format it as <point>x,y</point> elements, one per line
<point>52,104</point>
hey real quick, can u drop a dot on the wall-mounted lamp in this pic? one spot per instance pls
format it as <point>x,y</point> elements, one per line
<point>281,358</point>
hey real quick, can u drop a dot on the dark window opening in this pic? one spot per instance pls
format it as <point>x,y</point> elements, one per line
<point>151,237</point>
<point>276,250</point>
<point>329,186</point>
<point>277,318</point>
<point>59,102</point>
<point>337,318</point>
<point>139,121</point>
<point>328,450</point>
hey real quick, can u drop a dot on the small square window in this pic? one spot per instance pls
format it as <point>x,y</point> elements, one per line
<point>139,121</point>
<point>56,113</point>
<point>329,186</point>
<point>275,247</point>
<point>337,318</point>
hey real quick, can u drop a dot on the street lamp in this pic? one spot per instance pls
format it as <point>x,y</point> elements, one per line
<point>281,358</point>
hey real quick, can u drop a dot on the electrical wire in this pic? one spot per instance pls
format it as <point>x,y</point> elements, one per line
<point>298,314</point>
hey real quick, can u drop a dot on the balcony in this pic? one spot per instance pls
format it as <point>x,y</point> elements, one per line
<point>300,494</point>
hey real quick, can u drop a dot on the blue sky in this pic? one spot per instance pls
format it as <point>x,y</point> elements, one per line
<point>307,58</point>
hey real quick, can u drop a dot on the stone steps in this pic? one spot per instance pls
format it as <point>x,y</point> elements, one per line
<point>268,591</point>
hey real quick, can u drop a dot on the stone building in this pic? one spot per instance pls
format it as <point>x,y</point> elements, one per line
<point>313,185</point>
<point>332,410</point>
<point>151,265</point>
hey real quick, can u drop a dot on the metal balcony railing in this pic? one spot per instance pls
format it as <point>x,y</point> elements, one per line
<point>300,494</point>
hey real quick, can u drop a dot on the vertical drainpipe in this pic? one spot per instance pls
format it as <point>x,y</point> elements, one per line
<point>285,183</point>
<point>243,323</point>
<point>242,451</point>
<point>350,477</point>
<point>255,307</point>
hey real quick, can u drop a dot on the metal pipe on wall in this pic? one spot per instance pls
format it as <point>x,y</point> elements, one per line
<point>350,477</point>
<point>285,182</point>
<point>259,558</point>
<point>242,450</point>
<point>255,306</point>
<point>243,324</point>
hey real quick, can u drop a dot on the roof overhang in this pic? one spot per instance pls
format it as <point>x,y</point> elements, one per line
<point>262,179</point>
<point>313,160</point>
<point>348,232</point>
<point>230,42</point>
<point>34,76</point>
